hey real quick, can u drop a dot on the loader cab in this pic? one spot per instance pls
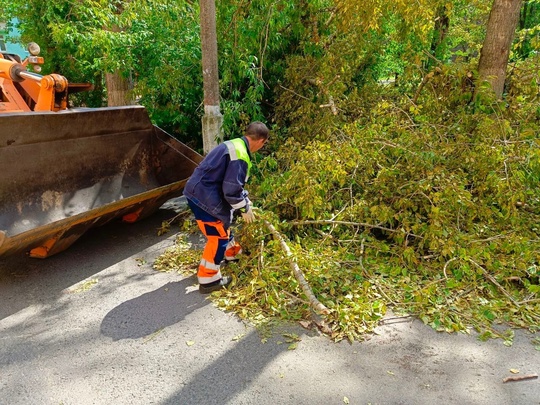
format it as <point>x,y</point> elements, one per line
<point>9,36</point>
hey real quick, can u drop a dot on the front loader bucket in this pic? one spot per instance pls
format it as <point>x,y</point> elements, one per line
<point>63,173</point>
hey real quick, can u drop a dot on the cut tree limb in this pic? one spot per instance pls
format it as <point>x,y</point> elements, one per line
<point>313,301</point>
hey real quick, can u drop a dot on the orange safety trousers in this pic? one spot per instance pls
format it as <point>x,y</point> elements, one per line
<point>220,244</point>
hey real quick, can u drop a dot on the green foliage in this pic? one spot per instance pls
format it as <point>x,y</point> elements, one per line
<point>528,36</point>
<point>430,208</point>
<point>166,65</point>
<point>156,46</point>
<point>255,39</point>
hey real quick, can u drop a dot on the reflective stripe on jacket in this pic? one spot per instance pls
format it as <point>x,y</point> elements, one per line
<point>238,150</point>
<point>217,184</point>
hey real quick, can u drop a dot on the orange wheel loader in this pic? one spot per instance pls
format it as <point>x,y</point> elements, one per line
<point>64,170</point>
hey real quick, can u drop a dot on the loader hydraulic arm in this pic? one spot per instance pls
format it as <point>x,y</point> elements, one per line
<point>21,90</point>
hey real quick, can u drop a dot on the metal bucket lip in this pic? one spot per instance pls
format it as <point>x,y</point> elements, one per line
<point>104,209</point>
<point>42,126</point>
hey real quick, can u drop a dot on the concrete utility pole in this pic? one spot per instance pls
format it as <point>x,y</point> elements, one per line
<point>212,120</point>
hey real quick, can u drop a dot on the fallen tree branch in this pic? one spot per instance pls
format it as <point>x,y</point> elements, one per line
<point>324,88</point>
<point>313,301</point>
<point>180,214</point>
<point>315,318</point>
<point>521,378</point>
<point>350,223</point>
<point>294,297</point>
<point>367,275</point>
<point>397,319</point>
<point>425,80</point>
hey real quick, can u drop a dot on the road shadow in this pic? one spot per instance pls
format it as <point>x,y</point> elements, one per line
<point>232,373</point>
<point>25,281</point>
<point>152,311</point>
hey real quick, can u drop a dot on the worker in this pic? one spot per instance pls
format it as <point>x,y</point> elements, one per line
<point>214,192</point>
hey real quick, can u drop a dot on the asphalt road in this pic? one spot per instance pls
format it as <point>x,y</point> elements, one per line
<point>97,325</point>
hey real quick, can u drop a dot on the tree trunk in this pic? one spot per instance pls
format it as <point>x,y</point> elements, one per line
<point>118,86</point>
<point>501,27</point>
<point>118,90</point>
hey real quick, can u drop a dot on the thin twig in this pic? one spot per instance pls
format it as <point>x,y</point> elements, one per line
<point>170,221</point>
<point>263,50</point>
<point>521,378</point>
<point>366,274</point>
<point>343,209</point>
<point>381,291</point>
<point>325,236</point>
<point>488,239</point>
<point>494,281</point>
<point>293,92</point>
<point>529,301</point>
<point>261,258</point>
<point>333,222</point>
<point>395,319</point>
<point>294,297</point>
<point>425,81</point>
<point>446,265</point>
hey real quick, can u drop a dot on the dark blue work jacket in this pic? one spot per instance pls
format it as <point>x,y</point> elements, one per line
<point>217,184</point>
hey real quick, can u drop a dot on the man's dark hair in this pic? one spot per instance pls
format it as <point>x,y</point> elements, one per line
<point>257,130</point>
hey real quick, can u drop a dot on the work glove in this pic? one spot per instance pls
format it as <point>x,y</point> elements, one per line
<point>247,212</point>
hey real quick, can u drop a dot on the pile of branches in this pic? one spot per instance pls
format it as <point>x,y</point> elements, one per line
<point>428,207</point>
